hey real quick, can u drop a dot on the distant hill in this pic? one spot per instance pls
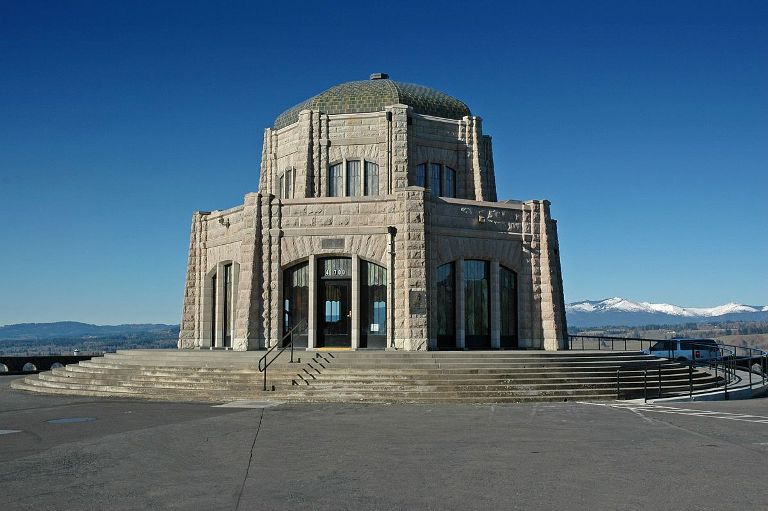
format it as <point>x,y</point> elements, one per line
<point>75,330</point>
<point>620,311</point>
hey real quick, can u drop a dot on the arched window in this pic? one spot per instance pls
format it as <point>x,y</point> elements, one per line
<point>371,178</point>
<point>421,171</point>
<point>296,301</point>
<point>508,306</point>
<point>354,181</point>
<point>477,317</point>
<point>446,311</point>
<point>434,179</point>
<point>441,181</point>
<point>449,182</point>
<point>286,184</point>
<point>359,178</point>
<point>335,181</point>
<point>373,305</point>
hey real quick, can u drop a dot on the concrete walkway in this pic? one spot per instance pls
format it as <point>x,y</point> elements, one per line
<point>130,454</point>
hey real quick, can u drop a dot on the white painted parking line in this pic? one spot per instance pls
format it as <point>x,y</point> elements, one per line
<point>651,408</point>
<point>249,404</point>
<point>9,431</point>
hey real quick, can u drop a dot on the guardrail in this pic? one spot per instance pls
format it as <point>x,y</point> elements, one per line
<point>724,361</point>
<point>30,364</point>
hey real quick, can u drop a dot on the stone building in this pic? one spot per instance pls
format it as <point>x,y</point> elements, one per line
<point>376,221</point>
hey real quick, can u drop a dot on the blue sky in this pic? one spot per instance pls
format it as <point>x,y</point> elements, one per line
<point>643,122</point>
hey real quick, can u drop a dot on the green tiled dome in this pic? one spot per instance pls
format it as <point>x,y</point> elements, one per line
<point>372,96</point>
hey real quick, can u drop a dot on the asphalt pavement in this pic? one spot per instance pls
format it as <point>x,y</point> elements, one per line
<point>90,453</point>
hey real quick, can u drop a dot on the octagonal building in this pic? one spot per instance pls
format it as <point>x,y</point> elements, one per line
<point>375,226</point>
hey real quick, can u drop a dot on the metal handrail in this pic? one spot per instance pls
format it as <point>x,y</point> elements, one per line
<point>281,347</point>
<point>728,359</point>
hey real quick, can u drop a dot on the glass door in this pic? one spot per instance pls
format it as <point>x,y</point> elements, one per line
<point>335,313</point>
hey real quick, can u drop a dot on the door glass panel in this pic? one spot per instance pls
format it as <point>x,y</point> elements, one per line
<point>295,301</point>
<point>228,316</point>
<point>214,309</point>
<point>508,302</point>
<point>476,301</point>
<point>373,305</point>
<point>446,309</point>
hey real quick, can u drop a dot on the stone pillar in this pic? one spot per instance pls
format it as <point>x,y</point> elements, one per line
<point>269,257</point>
<point>248,326</point>
<point>190,334</point>
<point>552,302</point>
<point>460,297</point>
<point>312,312</point>
<point>305,168</point>
<point>495,306</point>
<point>355,301</point>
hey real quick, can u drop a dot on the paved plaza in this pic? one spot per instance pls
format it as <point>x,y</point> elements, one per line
<point>131,454</point>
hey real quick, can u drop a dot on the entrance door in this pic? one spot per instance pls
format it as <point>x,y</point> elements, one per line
<point>335,313</point>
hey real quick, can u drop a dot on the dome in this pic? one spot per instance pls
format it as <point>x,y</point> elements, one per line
<point>373,95</point>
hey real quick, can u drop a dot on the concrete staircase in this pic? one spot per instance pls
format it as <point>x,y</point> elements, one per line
<point>375,376</point>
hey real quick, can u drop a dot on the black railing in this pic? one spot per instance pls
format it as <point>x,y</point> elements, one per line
<point>723,361</point>
<point>285,343</point>
<point>29,364</point>
<point>657,384</point>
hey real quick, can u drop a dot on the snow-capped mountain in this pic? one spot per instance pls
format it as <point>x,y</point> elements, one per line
<point>620,311</point>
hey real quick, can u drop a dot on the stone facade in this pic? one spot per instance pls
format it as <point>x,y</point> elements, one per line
<point>238,257</point>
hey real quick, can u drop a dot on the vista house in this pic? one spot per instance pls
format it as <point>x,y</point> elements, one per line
<point>376,222</point>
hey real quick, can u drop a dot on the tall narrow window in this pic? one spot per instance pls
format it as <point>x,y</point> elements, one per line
<point>371,178</point>
<point>335,181</point>
<point>213,311</point>
<point>477,327</point>
<point>446,311</point>
<point>508,302</point>
<point>288,187</point>
<point>421,171</point>
<point>449,182</point>
<point>373,305</point>
<point>296,301</point>
<point>228,319</point>
<point>354,182</point>
<point>434,180</point>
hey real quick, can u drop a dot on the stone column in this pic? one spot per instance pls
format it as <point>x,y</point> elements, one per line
<point>552,303</point>
<point>495,306</point>
<point>190,331</point>
<point>355,301</point>
<point>460,296</point>
<point>249,319</point>
<point>311,313</point>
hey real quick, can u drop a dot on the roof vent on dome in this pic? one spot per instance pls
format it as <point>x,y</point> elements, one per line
<point>379,76</point>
